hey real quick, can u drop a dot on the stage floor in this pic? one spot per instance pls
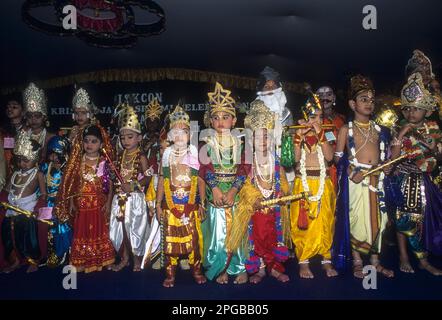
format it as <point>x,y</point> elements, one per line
<point>147,285</point>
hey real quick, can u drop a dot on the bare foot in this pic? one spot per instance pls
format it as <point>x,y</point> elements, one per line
<point>223,278</point>
<point>329,270</point>
<point>169,282</point>
<point>137,263</point>
<point>12,267</point>
<point>431,269</point>
<point>241,278</point>
<point>32,268</point>
<point>257,277</point>
<point>120,266</point>
<point>405,266</point>
<point>305,272</point>
<point>199,278</point>
<point>386,272</point>
<point>282,277</point>
<point>358,268</point>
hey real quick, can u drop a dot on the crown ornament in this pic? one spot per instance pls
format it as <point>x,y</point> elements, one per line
<point>179,116</point>
<point>220,100</point>
<point>34,99</point>
<point>153,110</point>
<point>128,119</point>
<point>259,117</point>
<point>24,148</point>
<point>414,94</point>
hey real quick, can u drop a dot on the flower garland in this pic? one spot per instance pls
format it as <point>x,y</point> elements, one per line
<point>280,251</point>
<point>383,141</point>
<point>322,175</point>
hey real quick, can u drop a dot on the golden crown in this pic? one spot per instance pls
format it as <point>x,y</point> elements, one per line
<point>24,148</point>
<point>153,110</point>
<point>179,116</point>
<point>81,100</point>
<point>35,99</point>
<point>312,106</point>
<point>414,94</point>
<point>128,119</point>
<point>259,117</point>
<point>220,100</point>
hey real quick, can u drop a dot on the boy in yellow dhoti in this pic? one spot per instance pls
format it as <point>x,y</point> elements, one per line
<point>312,220</point>
<point>366,143</point>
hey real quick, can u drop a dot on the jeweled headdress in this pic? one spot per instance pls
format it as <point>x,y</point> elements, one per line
<point>220,100</point>
<point>359,84</point>
<point>60,146</point>
<point>128,119</point>
<point>81,100</point>
<point>153,110</point>
<point>24,147</point>
<point>312,106</point>
<point>419,62</point>
<point>34,99</point>
<point>179,116</point>
<point>259,117</point>
<point>414,94</point>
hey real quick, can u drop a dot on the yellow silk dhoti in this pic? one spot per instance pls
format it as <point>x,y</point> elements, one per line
<point>317,239</point>
<point>366,221</point>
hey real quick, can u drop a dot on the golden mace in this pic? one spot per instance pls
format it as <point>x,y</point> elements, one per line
<point>385,165</point>
<point>27,213</point>
<point>294,197</point>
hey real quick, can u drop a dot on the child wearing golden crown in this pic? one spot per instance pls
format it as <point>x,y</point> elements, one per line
<point>312,219</point>
<point>361,201</point>
<point>224,172</point>
<point>83,201</point>
<point>419,215</point>
<point>265,228</point>
<point>177,202</point>
<point>129,224</point>
<point>36,113</point>
<point>83,114</point>
<point>26,193</point>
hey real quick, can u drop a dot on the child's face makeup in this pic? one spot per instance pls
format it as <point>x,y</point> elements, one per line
<point>36,120</point>
<point>316,117</point>
<point>81,116</point>
<point>414,115</point>
<point>91,144</point>
<point>53,158</point>
<point>129,139</point>
<point>222,121</point>
<point>25,164</point>
<point>180,135</point>
<point>364,103</point>
<point>262,141</point>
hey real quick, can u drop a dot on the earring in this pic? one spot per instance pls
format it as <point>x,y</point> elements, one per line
<point>334,103</point>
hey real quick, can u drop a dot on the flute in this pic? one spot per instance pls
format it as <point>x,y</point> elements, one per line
<point>385,165</point>
<point>27,213</point>
<point>112,165</point>
<point>294,197</point>
<point>303,126</point>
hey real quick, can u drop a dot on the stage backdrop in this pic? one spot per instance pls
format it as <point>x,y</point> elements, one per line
<point>192,95</point>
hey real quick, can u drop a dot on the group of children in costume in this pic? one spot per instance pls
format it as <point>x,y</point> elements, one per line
<point>220,208</point>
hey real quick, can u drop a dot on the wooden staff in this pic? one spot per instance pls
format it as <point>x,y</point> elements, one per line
<point>27,213</point>
<point>294,197</point>
<point>112,165</point>
<point>385,165</point>
<point>303,126</point>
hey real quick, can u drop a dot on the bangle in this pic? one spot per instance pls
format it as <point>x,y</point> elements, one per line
<point>339,154</point>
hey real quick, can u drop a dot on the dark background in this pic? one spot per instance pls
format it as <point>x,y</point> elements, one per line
<point>315,41</point>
